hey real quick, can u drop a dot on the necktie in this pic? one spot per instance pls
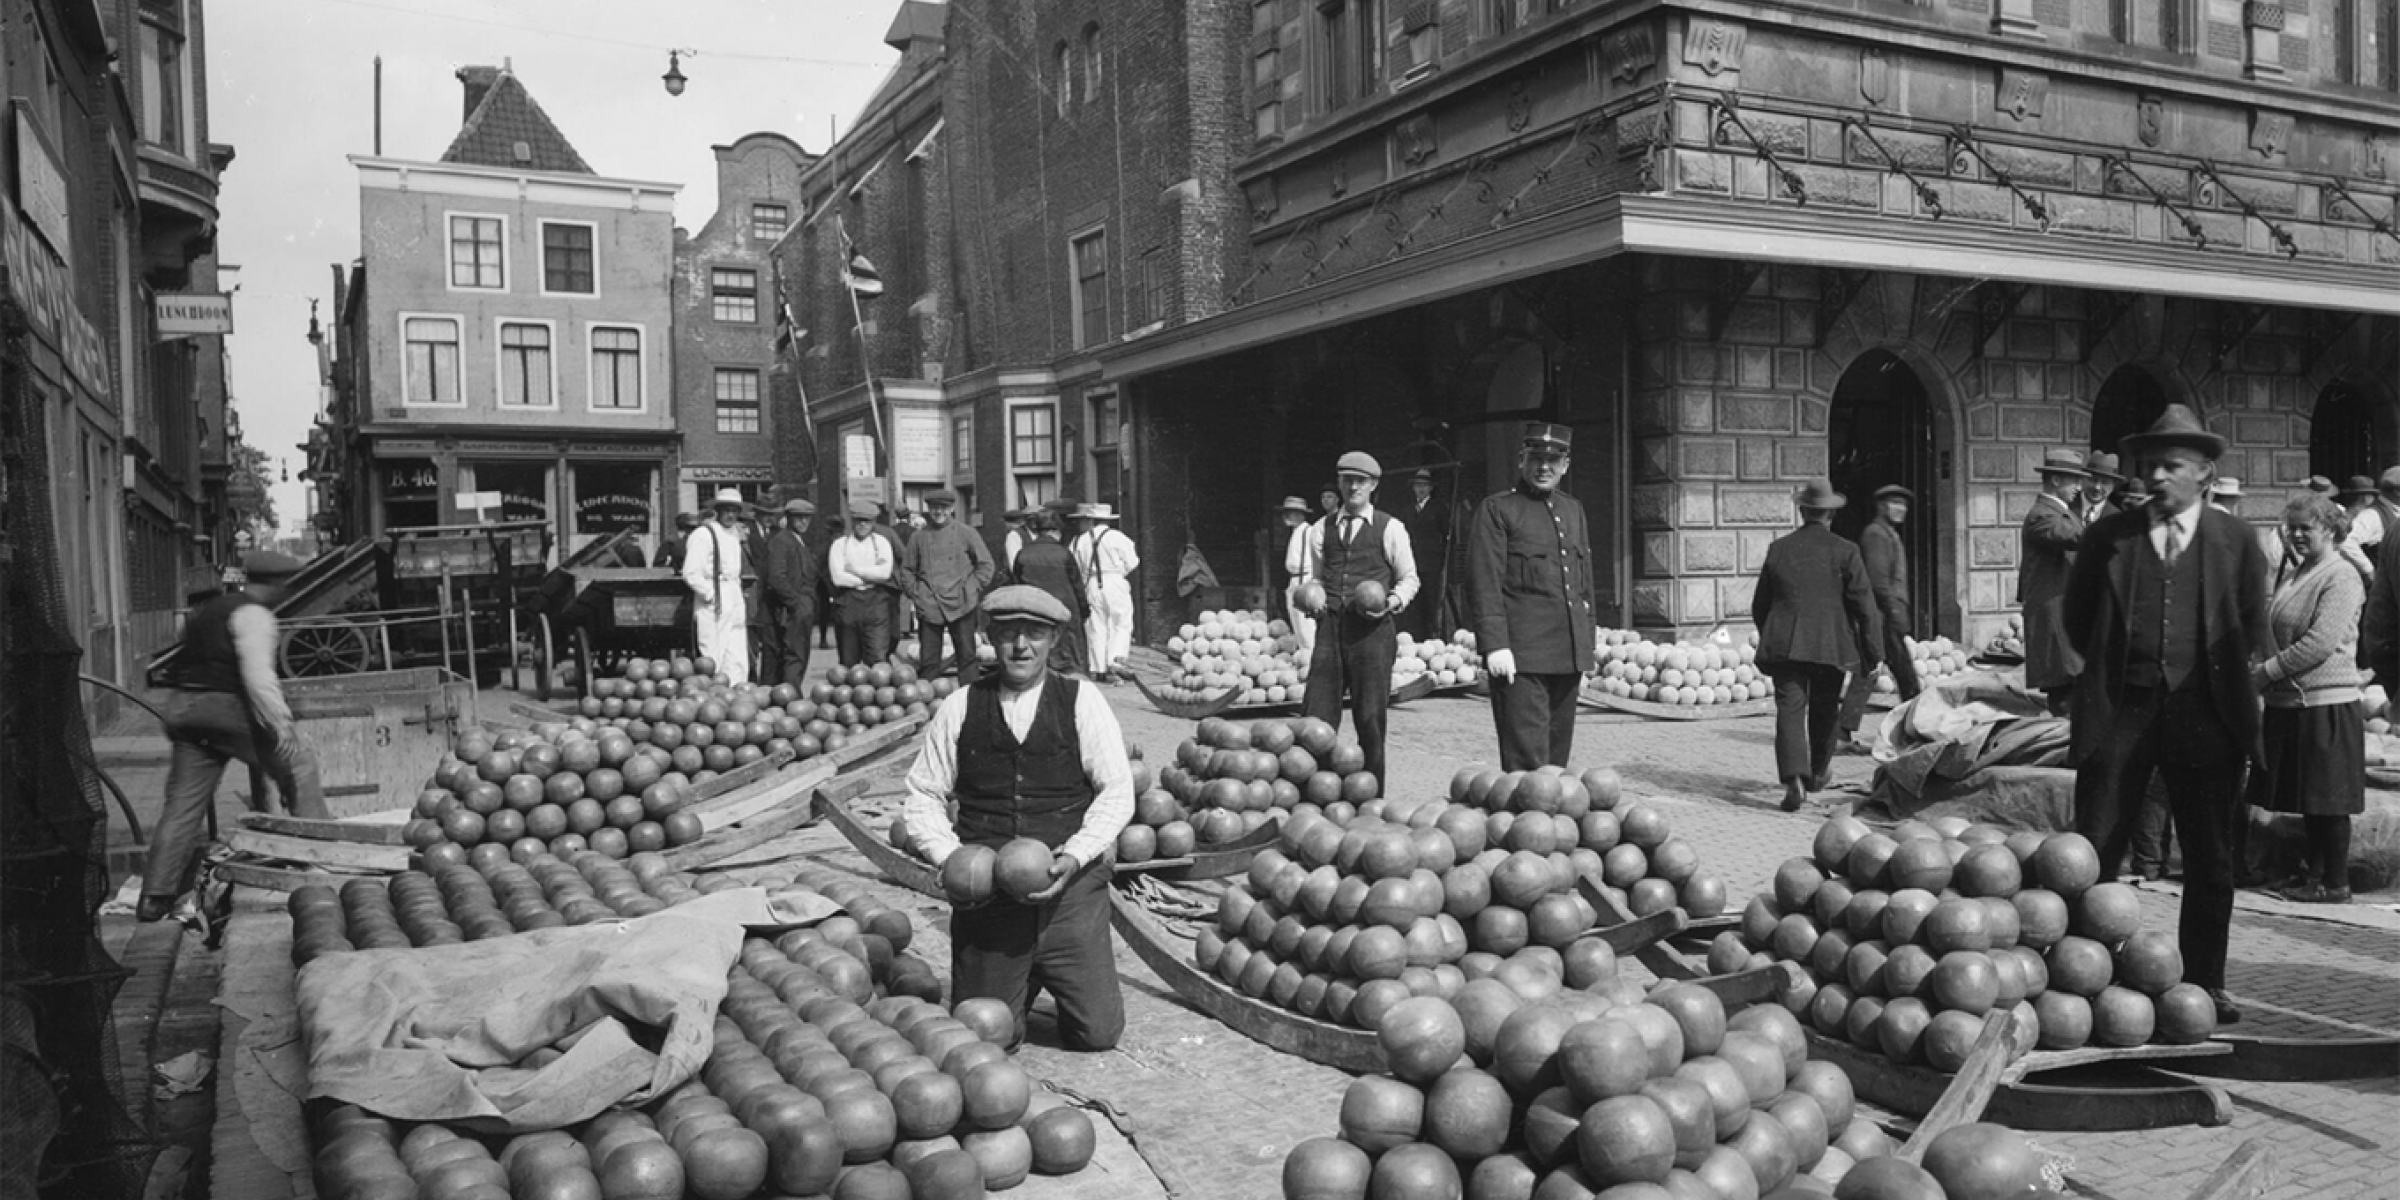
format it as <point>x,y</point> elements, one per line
<point>2174,544</point>
<point>1349,526</point>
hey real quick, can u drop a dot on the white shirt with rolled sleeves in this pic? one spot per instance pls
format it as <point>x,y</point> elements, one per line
<point>935,775</point>
<point>856,562</point>
<point>1396,549</point>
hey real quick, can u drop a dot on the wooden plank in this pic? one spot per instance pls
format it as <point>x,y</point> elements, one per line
<point>1331,1045</point>
<point>902,868</point>
<point>733,840</point>
<point>740,776</point>
<point>538,713</point>
<point>1755,985</point>
<point>875,741</point>
<point>733,808</point>
<point>1221,862</point>
<point>370,833</point>
<point>1679,712</point>
<point>350,855</point>
<point>2149,1101</point>
<point>2059,1060</point>
<point>2244,1175</point>
<point>1187,710</point>
<point>1971,1088</point>
<point>2298,1060</point>
<point>1664,961</point>
<point>282,879</point>
<point>1640,933</point>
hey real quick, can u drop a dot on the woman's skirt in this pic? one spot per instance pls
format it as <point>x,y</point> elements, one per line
<point>2316,761</point>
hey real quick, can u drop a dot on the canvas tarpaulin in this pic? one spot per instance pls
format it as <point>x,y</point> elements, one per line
<point>443,1033</point>
<point>1979,746</point>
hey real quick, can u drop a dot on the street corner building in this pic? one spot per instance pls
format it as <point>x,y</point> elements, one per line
<point>1183,255</point>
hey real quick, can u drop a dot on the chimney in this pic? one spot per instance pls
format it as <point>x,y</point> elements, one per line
<point>478,81</point>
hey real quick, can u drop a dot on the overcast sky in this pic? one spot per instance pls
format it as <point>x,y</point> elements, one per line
<point>291,88</point>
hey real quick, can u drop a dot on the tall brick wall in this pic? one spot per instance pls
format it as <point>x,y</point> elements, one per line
<point>756,168</point>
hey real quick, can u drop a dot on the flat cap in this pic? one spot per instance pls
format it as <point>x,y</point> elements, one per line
<point>1022,602</point>
<point>1891,490</point>
<point>799,507</point>
<point>1358,462</point>
<point>942,500</point>
<point>268,566</point>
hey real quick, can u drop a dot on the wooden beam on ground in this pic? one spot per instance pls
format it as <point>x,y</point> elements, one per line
<point>1971,1088</point>
<point>351,856</point>
<point>2244,1175</point>
<point>369,833</point>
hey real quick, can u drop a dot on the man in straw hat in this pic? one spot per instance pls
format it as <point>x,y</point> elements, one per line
<point>791,587</point>
<point>1295,513</point>
<point>1529,601</point>
<point>1816,621</point>
<point>1365,572</point>
<point>1886,557</point>
<point>2168,607</point>
<point>1025,753</point>
<point>2053,527</point>
<point>1107,559</point>
<point>224,703</point>
<point>712,568</point>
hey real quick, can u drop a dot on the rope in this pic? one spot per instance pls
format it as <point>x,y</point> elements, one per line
<point>1167,1176</point>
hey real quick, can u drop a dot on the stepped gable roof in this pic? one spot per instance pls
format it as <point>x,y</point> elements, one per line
<point>501,116</point>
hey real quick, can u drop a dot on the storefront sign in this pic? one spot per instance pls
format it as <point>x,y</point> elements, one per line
<point>917,444</point>
<point>862,495</point>
<point>193,314</point>
<point>858,455</point>
<point>42,185</point>
<point>38,280</point>
<point>613,498</point>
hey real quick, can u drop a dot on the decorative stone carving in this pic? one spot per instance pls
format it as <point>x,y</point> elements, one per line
<point>1874,74</point>
<point>2021,93</point>
<point>1263,200</point>
<point>2269,131</point>
<point>1714,45</point>
<point>2262,38</point>
<point>1338,185</point>
<point>1631,52</point>
<point>2149,119</point>
<point>1414,138</point>
<point>1520,105</point>
<point>2373,158</point>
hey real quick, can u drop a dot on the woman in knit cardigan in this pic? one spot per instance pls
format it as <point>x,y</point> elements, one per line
<point>2315,736</point>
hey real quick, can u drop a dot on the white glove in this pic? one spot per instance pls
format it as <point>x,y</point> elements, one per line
<point>1502,663</point>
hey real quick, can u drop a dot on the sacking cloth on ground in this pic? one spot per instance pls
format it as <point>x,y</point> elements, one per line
<point>1977,745</point>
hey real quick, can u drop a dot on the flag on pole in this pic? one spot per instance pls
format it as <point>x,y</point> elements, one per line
<point>788,337</point>
<point>861,277</point>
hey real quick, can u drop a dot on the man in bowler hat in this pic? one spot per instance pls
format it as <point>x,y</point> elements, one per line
<point>1816,620</point>
<point>2168,607</point>
<point>1529,602</point>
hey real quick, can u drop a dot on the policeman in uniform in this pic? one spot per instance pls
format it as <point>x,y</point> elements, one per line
<point>1024,753</point>
<point>1356,643</point>
<point>225,704</point>
<point>1529,602</point>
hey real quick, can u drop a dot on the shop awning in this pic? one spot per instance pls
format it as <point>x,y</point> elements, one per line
<point>1696,227</point>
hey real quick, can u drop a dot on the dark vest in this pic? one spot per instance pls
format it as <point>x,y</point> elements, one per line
<point>1009,789</point>
<point>208,662</point>
<point>1360,559</point>
<point>2164,648</point>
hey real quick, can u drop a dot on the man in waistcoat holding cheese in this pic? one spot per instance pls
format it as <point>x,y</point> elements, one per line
<point>1025,753</point>
<point>1363,561</point>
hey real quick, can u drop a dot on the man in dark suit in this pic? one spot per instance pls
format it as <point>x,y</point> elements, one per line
<point>791,586</point>
<point>1816,620</point>
<point>2168,607</point>
<point>670,551</point>
<point>1428,524</point>
<point>2053,528</point>
<point>1880,547</point>
<point>1529,602</point>
<point>766,651</point>
<point>1045,562</point>
<point>2100,491</point>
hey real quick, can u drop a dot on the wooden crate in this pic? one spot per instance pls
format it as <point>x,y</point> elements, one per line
<point>377,735</point>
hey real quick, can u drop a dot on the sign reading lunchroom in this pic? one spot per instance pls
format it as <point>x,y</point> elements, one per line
<point>194,314</point>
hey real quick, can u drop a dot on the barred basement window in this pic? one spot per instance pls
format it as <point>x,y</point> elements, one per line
<point>737,401</point>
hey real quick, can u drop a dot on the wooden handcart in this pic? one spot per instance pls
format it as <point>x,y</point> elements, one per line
<point>598,617</point>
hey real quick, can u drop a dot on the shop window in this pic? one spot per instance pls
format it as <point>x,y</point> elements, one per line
<point>523,486</point>
<point>614,498</point>
<point>1088,255</point>
<point>733,295</point>
<point>526,379</point>
<point>410,493</point>
<point>616,367</point>
<point>962,444</point>
<point>429,360</point>
<point>567,259</point>
<point>737,400</point>
<point>476,258</point>
<point>770,221</point>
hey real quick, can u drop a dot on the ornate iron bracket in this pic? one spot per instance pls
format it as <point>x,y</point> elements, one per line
<point>2102,310</point>
<point>2231,333</point>
<point>2335,186</point>
<point>1541,175</point>
<point>1836,288</point>
<point>1734,280</point>
<point>1926,196</point>
<point>1995,302</point>
<point>2282,236</point>
<point>1729,114</point>
<point>2191,225</point>
<point>1963,138</point>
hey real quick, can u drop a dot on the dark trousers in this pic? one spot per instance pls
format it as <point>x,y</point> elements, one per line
<point>2153,833</point>
<point>206,730</point>
<point>1534,716</point>
<point>862,626</point>
<point>1009,952</point>
<point>1862,681</point>
<point>2178,735</point>
<point>766,647</point>
<point>961,635</point>
<point>1808,709</point>
<point>793,624</point>
<point>1355,653</point>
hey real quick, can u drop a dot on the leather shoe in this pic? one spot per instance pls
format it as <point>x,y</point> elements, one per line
<point>2227,1012</point>
<point>1795,794</point>
<point>153,908</point>
<point>2317,893</point>
<point>1851,745</point>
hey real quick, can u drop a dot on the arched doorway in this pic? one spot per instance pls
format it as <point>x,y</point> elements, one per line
<point>1882,432</point>
<point>2349,433</point>
<point>2131,399</point>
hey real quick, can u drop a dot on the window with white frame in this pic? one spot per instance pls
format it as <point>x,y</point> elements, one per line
<point>429,360</point>
<point>567,259</point>
<point>616,367</point>
<point>1088,255</point>
<point>769,221</point>
<point>476,255</point>
<point>733,294</point>
<point>526,378</point>
<point>1033,450</point>
<point>737,400</point>
<point>962,445</point>
<point>165,81</point>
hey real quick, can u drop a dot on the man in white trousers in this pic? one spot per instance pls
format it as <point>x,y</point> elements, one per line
<point>1108,560</point>
<point>712,568</point>
<point>1296,553</point>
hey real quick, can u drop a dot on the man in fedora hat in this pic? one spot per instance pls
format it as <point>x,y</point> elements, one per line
<point>712,568</point>
<point>945,570</point>
<point>1024,753</point>
<point>2052,528</point>
<point>2168,608</point>
<point>2101,494</point>
<point>1816,620</point>
<point>223,702</point>
<point>1295,513</point>
<point>1429,538</point>
<point>791,587</point>
<point>1529,601</point>
<point>1886,557</point>
<point>862,565</point>
<point>1107,559</point>
<point>1357,642</point>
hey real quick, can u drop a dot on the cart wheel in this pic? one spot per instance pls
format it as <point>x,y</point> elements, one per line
<point>583,659</point>
<point>332,648</point>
